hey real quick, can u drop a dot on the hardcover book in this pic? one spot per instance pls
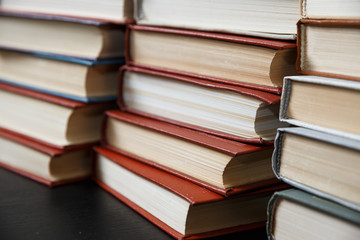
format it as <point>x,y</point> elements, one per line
<point>294,214</point>
<point>324,104</point>
<point>329,48</point>
<point>67,36</point>
<point>45,164</point>
<point>69,77</point>
<point>55,121</point>
<point>275,19</point>
<point>244,61</point>
<point>224,166</point>
<point>182,209</point>
<point>224,110</point>
<point>119,11</point>
<point>323,164</point>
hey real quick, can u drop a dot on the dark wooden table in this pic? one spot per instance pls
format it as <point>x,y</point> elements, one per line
<point>29,210</point>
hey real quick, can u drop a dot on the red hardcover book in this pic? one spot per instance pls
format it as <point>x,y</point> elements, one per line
<point>54,121</point>
<point>243,61</point>
<point>182,209</point>
<point>329,48</point>
<point>45,164</point>
<point>224,166</point>
<point>228,111</point>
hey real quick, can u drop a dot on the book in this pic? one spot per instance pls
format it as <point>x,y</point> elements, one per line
<point>320,163</point>
<point>324,104</point>
<point>68,36</point>
<point>69,77</point>
<point>329,48</point>
<point>250,17</point>
<point>245,61</point>
<point>224,110</point>
<point>55,121</point>
<point>294,214</point>
<point>224,166</point>
<point>177,206</point>
<point>334,9</point>
<point>45,164</point>
<point>113,11</point>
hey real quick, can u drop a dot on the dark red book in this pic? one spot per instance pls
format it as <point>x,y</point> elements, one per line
<point>232,59</point>
<point>221,165</point>
<point>224,110</point>
<point>181,208</point>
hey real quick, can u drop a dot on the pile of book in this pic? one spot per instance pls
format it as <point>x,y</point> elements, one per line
<point>58,74</point>
<point>190,146</point>
<point>321,156</point>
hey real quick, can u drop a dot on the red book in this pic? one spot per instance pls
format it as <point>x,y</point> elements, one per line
<point>224,110</point>
<point>243,61</point>
<point>224,166</point>
<point>179,207</point>
<point>43,163</point>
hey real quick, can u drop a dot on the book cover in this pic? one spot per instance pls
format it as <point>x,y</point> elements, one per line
<point>228,147</point>
<point>267,99</point>
<point>269,82</point>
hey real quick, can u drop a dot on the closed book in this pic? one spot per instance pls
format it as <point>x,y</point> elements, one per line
<point>183,209</point>
<point>244,61</point>
<point>335,9</point>
<point>229,111</point>
<point>67,36</point>
<point>224,166</point>
<point>43,163</point>
<point>325,104</point>
<point>249,17</point>
<point>55,121</point>
<point>324,164</point>
<point>120,11</point>
<point>80,79</point>
<point>294,214</point>
<point>329,48</point>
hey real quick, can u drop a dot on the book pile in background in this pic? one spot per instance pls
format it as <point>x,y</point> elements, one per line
<point>321,156</point>
<point>58,74</point>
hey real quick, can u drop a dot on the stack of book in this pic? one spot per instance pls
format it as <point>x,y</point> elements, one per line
<point>190,147</point>
<point>58,74</point>
<point>321,155</point>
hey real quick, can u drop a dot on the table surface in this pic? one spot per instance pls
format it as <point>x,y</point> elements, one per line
<point>30,210</point>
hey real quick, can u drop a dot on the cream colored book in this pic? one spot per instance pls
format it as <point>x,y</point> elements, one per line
<point>330,9</point>
<point>297,215</point>
<point>52,120</point>
<point>74,78</point>
<point>323,164</point>
<point>271,19</point>
<point>82,38</point>
<point>119,11</point>
<point>325,104</point>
